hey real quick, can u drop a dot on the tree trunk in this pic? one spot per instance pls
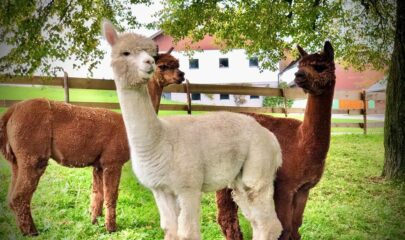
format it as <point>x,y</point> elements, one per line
<point>394,129</point>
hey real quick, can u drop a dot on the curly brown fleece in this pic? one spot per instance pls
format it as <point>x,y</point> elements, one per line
<point>304,148</point>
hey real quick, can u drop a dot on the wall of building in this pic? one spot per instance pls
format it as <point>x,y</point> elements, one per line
<point>210,72</point>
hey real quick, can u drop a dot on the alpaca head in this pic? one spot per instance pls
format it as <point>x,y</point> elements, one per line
<point>132,57</point>
<point>316,72</point>
<point>167,71</point>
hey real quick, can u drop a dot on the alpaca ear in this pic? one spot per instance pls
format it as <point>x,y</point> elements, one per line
<point>301,51</point>
<point>109,32</point>
<point>170,50</point>
<point>328,50</point>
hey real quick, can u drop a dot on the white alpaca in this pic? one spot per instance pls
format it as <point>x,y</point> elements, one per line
<point>180,157</point>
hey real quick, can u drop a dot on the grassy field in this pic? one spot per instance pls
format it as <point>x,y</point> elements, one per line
<point>350,202</point>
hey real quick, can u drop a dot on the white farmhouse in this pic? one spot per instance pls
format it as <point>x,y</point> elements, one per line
<point>208,65</point>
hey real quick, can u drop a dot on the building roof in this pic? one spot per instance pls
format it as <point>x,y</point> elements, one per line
<point>153,36</point>
<point>379,86</point>
<point>291,65</point>
<point>350,79</point>
<point>165,42</point>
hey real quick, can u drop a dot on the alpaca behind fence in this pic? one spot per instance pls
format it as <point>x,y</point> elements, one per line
<point>35,130</point>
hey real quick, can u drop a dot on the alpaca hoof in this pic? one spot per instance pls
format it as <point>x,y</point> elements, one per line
<point>234,233</point>
<point>170,236</point>
<point>94,220</point>
<point>32,232</point>
<point>29,231</point>
<point>295,236</point>
<point>112,227</point>
<point>285,235</point>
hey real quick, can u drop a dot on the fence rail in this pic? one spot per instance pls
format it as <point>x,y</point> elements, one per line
<point>290,93</point>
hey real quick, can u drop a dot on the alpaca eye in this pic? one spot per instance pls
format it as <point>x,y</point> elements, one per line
<point>126,53</point>
<point>320,68</point>
<point>163,67</point>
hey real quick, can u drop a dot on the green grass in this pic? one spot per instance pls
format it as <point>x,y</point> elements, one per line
<point>350,202</point>
<point>57,93</point>
<point>75,95</point>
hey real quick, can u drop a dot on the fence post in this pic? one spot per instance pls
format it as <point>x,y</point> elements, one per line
<point>364,111</point>
<point>187,90</point>
<point>66,85</point>
<point>285,102</point>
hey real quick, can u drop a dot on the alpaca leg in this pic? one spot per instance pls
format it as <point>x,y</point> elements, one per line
<point>20,199</point>
<point>300,200</point>
<point>111,180</point>
<point>228,215</point>
<point>97,195</point>
<point>258,207</point>
<point>189,217</point>
<point>283,199</point>
<point>14,174</point>
<point>169,212</point>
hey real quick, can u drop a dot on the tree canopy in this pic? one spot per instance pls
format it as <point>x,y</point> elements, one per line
<point>41,32</point>
<point>362,32</point>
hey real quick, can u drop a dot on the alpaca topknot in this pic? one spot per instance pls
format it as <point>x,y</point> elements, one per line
<point>133,43</point>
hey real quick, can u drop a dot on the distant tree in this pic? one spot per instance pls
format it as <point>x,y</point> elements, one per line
<point>42,32</point>
<point>361,31</point>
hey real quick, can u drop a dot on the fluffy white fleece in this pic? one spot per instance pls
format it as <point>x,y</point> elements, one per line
<point>180,157</point>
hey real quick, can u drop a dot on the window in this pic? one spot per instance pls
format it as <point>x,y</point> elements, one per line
<point>253,62</point>
<point>193,64</point>
<point>223,96</point>
<point>223,63</point>
<point>167,95</point>
<point>254,97</point>
<point>196,96</point>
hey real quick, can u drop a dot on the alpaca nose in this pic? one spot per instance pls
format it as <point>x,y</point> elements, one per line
<point>150,61</point>
<point>300,74</point>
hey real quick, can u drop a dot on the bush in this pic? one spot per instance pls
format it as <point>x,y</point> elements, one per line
<point>277,101</point>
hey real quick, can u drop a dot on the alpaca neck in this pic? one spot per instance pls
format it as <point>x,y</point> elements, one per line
<point>142,125</point>
<point>316,125</point>
<point>155,91</point>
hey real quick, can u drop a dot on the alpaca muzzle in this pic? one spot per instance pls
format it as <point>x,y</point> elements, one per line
<point>180,77</point>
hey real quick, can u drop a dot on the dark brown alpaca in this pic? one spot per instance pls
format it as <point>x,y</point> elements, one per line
<point>35,130</point>
<point>304,147</point>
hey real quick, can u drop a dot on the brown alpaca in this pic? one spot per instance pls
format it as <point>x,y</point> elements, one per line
<point>304,147</point>
<point>35,130</point>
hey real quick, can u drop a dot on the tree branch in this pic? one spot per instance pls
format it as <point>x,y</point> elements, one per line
<point>63,15</point>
